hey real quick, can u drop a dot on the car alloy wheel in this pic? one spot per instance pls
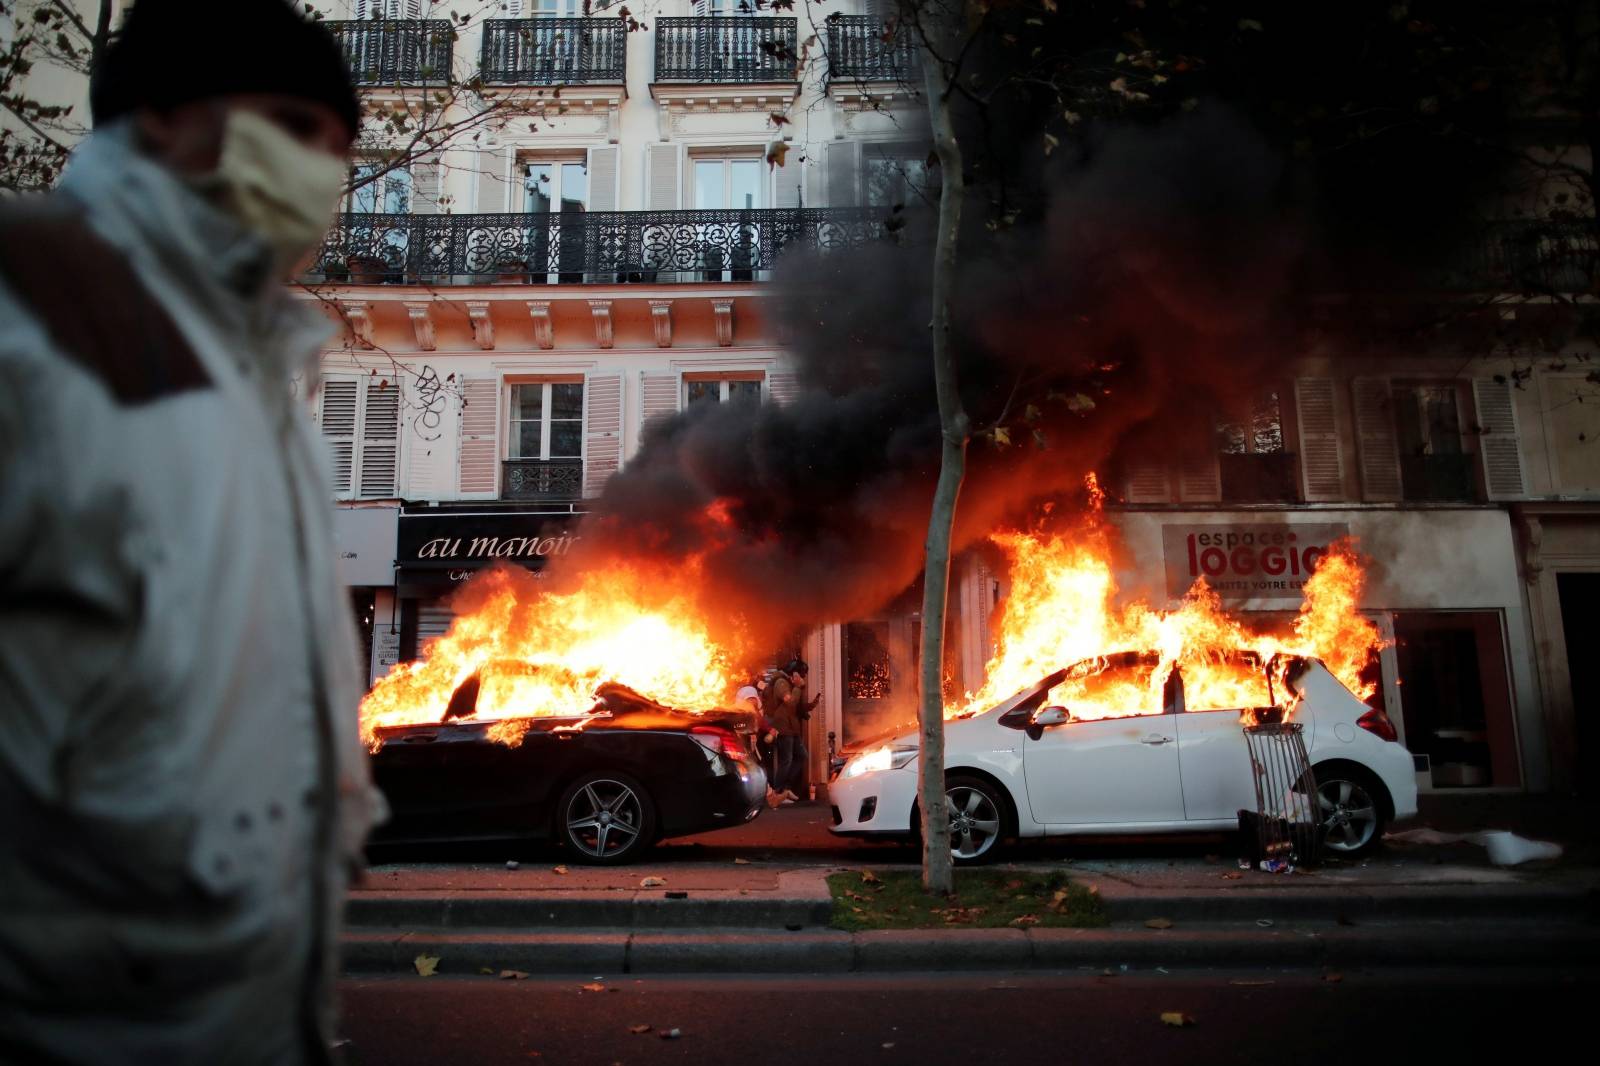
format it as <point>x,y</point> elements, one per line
<point>1350,815</point>
<point>605,818</point>
<point>974,821</point>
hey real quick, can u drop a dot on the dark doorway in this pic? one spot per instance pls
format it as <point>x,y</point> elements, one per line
<point>1580,595</point>
<point>1456,696</point>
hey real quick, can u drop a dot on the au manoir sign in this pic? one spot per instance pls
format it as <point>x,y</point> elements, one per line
<point>476,540</point>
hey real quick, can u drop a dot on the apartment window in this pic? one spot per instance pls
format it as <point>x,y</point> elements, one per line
<point>1434,462</point>
<point>1253,464</point>
<point>743,389</point>
<point>893,175</point>
<point>555,186</point>
<point>724,184</point>
<point>729,252</point>
<point>724,7</point>
<point>376,191</point>
<point>547,420</point>
<point>545,9</point>
<point>555,193</point>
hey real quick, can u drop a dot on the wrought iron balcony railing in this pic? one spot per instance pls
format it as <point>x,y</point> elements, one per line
<point>858,51</point>
<point>554,51</point>
<point>542,480</point>
<point>599,247</point>
<point>1532,255</point>
<point>396,51</point>
<point>724,49</point>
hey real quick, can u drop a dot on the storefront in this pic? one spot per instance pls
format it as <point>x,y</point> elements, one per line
<point>438,549</point>
<point>364,543</point>
<point>1457,676</point>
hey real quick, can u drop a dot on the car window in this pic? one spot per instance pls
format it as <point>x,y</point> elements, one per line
<point>1225,682</point>
<point>1120,685</point>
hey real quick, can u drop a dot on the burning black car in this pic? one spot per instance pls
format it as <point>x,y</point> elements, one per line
<point>606,784</point>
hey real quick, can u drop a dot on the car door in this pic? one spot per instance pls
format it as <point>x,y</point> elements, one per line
<point>1218,780</point>
<point>1112,771</point>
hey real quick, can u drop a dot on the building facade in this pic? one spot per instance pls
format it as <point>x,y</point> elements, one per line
<point>522,299</point>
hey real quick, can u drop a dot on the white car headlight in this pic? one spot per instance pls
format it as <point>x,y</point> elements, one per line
<point>878,759</point>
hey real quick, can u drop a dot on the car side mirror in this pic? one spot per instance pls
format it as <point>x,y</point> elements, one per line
<point>1049,716</point>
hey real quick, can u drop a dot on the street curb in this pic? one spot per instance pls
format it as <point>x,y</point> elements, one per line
<point>888,951</point>
<point>1390,903</point>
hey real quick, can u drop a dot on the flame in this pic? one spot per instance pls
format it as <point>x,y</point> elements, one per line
<point>1062,611</point>
<point>540,651</point>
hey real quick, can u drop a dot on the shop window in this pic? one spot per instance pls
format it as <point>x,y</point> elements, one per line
<point>1253,463</point>
<point>1455,697</point>
<point>711,389</point>
<point>544,459</point>
<point>1434,462</point>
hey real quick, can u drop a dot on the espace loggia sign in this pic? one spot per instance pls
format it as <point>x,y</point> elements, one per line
<point>1247,561</point>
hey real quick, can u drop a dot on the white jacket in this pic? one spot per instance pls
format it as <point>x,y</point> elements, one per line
<point>182,786</point>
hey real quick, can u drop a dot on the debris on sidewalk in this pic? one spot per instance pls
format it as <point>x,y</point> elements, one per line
<point>1504,847</point>
<point>652,882</point>
<point>425,965</point>
<point>1176,1018</point>
<point>1158,923</point>
<point>512,864</point>
<point>638,1030</point>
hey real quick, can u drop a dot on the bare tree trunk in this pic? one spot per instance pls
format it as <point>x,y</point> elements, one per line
<point>937,876</point>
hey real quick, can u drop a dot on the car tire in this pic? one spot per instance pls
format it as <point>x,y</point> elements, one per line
<point>978,818</point>
<point>1354,806</point>
<point>605,818</point>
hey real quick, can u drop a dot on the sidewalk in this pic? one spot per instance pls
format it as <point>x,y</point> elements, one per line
<point>755,899</point>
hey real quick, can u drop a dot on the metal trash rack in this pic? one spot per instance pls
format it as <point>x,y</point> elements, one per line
<point>1285,826</point>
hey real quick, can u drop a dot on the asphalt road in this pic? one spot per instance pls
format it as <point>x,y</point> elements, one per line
<point>1279,1018</point>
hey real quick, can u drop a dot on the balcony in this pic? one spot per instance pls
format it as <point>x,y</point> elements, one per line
<point>857,51</point>
<point>396,52</point>
<point>1531,255</point>
<point>600,247</point>
<point>554,51</point>
<point>726,51</point>
<point>541,480</point>
<point>1263,477</point>
<point>1439,478</point>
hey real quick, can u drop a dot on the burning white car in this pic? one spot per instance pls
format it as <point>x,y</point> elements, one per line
<point>1025,769</point>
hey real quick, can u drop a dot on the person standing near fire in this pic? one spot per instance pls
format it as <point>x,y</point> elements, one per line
<point>184,790</point>
<point>790,713</point>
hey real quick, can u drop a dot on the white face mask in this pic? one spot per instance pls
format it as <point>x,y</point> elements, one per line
<point>274,186</point>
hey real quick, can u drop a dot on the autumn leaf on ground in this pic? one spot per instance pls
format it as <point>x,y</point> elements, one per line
<point>486,970</point>
<point>741,862</point>
<point>1012,886</point>
<point>868,877</point>
<point>594,987</point>
<point>1232,876</point>
<point>1158,923</point>
<point>652,882</point>
<point>638,1029</point>
<point>1333,978</point>
<point>513,975</point>
<point>1243,983</point>
<point>559,869</point>
<point>1024,921</point>
<point>425,964</point>
<point>1176,1018</point>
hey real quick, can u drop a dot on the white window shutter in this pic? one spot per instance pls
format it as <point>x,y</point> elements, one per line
<point>1148,483</point>
<point>603,175</point>
<point>514,9</point>
<point>602,442</point>
<point>665,165</point>
<point>478,458</point>
<point>658,396</point>
<point>379,458</point>
<point>362,7</point>
<point>782,387</point>
<point>844,168</point>
<point>493,181</point>
<point>1380,447</point>
<point>1320,467</point>
<point>786,180</point>
<point>337,416</point>
<point>413,9</point>
<point>1199,473</point>
<point>1503,475</point>
<point>427,185</point>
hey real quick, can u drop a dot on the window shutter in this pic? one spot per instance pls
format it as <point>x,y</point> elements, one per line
<point>603,178</point>
<point>492,183</point>
<point>337,417</point>
<point>843,169</point>
<point>1380,449</point>
<point>413,9</point>
<point>786,180</point>
<point>782,387</point>
<point>1497,439</point>
<point>1148,483</point>
<point>1320,467</point>
<point>658,396</point>
<point>665,165</point>
<point>427,180</point>
<point>478,457</point>
<point>514,9</point>
<point>361,8</point>
<point>379,459</point>
<point>1199,473</point>
<point>602,446</point>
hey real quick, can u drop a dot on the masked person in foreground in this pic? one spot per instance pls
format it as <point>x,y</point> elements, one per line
<point>182,787</point>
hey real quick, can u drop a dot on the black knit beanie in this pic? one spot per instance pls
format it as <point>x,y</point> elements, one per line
<point>172,52</point>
